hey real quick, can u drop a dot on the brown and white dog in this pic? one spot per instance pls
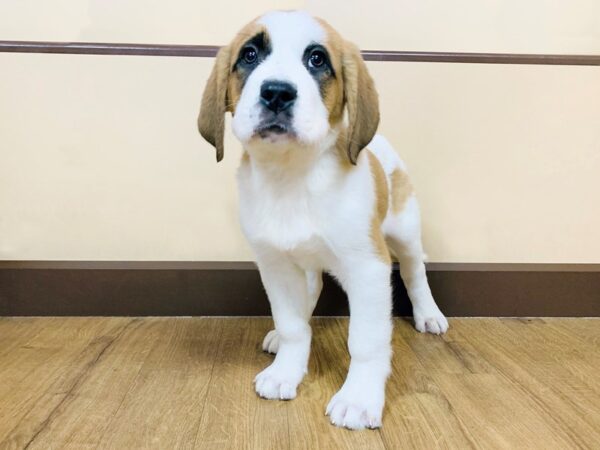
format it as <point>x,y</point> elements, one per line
<point>311,200</point>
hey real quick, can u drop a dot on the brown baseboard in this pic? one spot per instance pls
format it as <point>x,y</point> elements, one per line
<point>125,288</point>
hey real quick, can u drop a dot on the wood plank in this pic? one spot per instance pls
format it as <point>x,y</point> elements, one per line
<point>163,407</point>
<point>82,416</point>
<point>418,414</point>
<point>17,348</point>
<point>39,377</point>
<point>520,359</point>
<point>488,403</point>
<point>565,360</point>
<point>587,330</point>
<point>187,382</point>
<point>233,415</point>
<point>17,331</point>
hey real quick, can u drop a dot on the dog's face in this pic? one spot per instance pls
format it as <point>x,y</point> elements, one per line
<point>286,78</point>
<point>285,73</point>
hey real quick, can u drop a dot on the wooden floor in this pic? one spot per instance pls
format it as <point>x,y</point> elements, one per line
<point>179,382</point>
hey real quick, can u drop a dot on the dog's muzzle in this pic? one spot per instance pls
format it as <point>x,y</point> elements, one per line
<point>277,99</point>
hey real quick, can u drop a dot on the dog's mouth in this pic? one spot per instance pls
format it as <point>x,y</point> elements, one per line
<point>274,129</point>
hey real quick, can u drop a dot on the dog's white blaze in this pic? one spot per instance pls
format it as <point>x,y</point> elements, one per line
<point>292,29</point>
<point>289,34</point>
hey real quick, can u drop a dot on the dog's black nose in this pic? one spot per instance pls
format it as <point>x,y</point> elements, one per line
<point>277,95</point>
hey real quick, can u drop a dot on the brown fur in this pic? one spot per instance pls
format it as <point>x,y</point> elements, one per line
<point>234,87</point>
<point>352,87</point>
<point>381,207</point>
<point>341,148</point>
<point>334,92</point>
<point>361,101</point>
<point>401,188</point>
<point>222,90</point>
<point>211,120</point>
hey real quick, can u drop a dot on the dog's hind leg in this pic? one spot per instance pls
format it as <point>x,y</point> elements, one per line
<point>314,282</point>
<point>403,235</point>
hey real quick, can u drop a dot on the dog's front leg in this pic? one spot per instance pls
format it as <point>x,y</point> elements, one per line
<point>359,403</point>
<point>288,294</point>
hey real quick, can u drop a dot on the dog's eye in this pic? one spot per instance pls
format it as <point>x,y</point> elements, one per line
<point>249,55</point>
<point>316,59</point>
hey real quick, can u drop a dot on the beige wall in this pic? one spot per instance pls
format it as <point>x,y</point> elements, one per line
<point>100,158</point>
<point>537,26</point>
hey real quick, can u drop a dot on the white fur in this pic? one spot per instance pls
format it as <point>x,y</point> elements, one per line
<point>303,214</point>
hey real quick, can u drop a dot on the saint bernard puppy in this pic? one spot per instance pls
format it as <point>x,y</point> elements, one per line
<point>318,191</point>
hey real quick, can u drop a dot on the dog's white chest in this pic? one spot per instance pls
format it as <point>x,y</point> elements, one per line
<point>290,221</point>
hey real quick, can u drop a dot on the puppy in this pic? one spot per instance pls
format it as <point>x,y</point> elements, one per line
<point>318,192</point>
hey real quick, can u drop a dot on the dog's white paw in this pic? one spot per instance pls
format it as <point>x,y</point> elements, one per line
<point>271,342</point>
<point>277,382</point>
<point>355,411</point>
<point>430,320</point>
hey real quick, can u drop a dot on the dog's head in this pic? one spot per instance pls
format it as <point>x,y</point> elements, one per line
<point>287,78</point>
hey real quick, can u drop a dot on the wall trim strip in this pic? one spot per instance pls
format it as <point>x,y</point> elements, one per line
<point>198,288</point>
<point>207,51</point>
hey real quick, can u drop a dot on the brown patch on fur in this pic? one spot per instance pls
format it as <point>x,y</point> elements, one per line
<point>401,188</point>
<point>222,91</point>
<point>361,100</point>
<point>234,91</point>
<point>211,120</point>
<point>352,87</point>
<point>234,87</point>
<point>333,96</point>
<point>341,147</point>
<point>381,207</point>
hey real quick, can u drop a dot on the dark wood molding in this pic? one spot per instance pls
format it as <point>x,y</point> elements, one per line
<point>207,51</point>
<point>181,288</point>
<point>103,48</point>
<point>482,58</point>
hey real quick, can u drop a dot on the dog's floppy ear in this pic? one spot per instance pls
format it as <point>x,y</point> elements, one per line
<point>361,100</point>
<point>211,120</point>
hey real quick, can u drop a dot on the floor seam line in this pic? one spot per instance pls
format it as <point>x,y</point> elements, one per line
<point>212,370</point>
<point>76,384</point>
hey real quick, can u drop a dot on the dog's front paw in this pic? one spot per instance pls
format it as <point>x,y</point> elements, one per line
<point>271,342</point>
<point>277,382</point>
<point>356,410</point>
<point>430,320</point>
